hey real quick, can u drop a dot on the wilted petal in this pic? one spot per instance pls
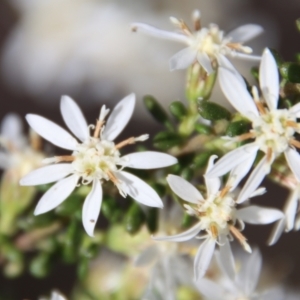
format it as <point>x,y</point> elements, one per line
<point>259,215</point>
<point>184,189</point>
<point>245,33</point>
<point>269,79</point>
<point>276,232</point>
<point>56,194</point>
<point>212,183</point>
<point>139,190</point>
<point>149,160</point>
<point>119,117</point>
<point>47,174</point>
<point>182,237</point>
<point>205,62</point>
<point>233,158</point>
<point>74,118</point>
<point>225,257</point>
<point>182,59</point>
<point>210,289</point>
<point>11,127</point>
<point>51,132</point>
<point>163,34</point>
<point>203,257</point>
<point>91,208</point>
<point>256,177</point>
<point>293,160</point>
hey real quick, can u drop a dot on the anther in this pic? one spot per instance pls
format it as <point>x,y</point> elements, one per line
<point>240,238</point>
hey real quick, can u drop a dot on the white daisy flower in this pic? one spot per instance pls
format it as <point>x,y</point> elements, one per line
<point>204,45</point>
<point>218,216</point>
<point>94,159</point>
<point>273,129</point>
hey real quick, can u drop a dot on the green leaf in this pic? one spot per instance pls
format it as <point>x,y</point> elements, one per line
<point>201,160</point>
<point>178,110</point>
<point>238,128</point>
<point>213,111</point>
<point>290,71</point>
<point>165,140</point>
<point>203,129</point>
<point>134,219</point>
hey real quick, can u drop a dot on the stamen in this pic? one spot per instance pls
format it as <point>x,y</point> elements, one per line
<point>57,159</point>
<point>269,154</point>
<point>197,19</point>
<point>132,140</point>
<point>225,190</point>
<point>295,143</point>
<point>239,47</point>
<point>292,124</point>
<point>103,113</point>
<point>240,238</point>
<point>112,177</point>
<point>246,136</point>
<point>35,140</point>
<point>181,24</point>
<point>214,231</point>
<point>97,131</point>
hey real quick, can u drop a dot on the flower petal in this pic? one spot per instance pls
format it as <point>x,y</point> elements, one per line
<point>290,208</point>
<point>210,289</point>
<point>91,208</point>
<point>254,180</point>
<point>293,160</point>
<point>47,174</point>
<point>225,258</point>
<point>139,190</point>
<point>182,59</point>
<point>212,183</point>
<point>51,132</point>
<point>249,57</point>
<point>149,160</point>
<point>203,257</point>
<point>11,127</point>
<point>56,194</point>
<point>295,110</point>
<point>148,256</point>
<point>181,237</point>
<point>233,158</point>
<point>74,118</point>
<point>205,62</point>
<point>163,34</point>
<point>245,33</point>
<point>269,79</point>
<point>276,232</point>
<point>184,189</point>
<point>119,117</point>
<point>259,215</point>
<point>236,92</point>
<point>5,160</point>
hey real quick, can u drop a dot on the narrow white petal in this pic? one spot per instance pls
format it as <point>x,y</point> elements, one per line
<point>212,183</point>
<point>260,191</point>
<point>293,160</point>
<point>57,296</point>
<point>74,118</point>
<point>225,258</point>
<point>233,158</point>
<point>254,180</point>
<point>56,194</point>
<point>181,237</point>
<point>205,62</point>
<point>276,232</point>
<point>249,57</point>
<point>139,190</point>
<point>184,189</point>
<point>182,59</point>
<point>210,289</point>
<point>259,215</point>
<point>203,257</point>
<point>47,174</point>
<point>290,208</point>
<point>269,79</point>
<point>245,33</point>
<point>295,110</point>
<point>5,160</point>
<point>119,117</point>
<point>149,160</point>
<point>11,127</point>
<point>51,132</point>
<point>163,34</point>
<point>91,208</point>
<point>236,92</point>
<point>147,256</point>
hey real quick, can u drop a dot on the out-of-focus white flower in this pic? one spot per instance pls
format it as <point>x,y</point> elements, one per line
<point>55,296</point>
<point>273,129</point>
<point>96,158</point>
<point>218,215</point>
<point>205,45</point>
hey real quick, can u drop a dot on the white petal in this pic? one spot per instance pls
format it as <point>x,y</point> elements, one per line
<point>205,62</point>
<point>74,118</point>
<point>260,191</point>
<point>225,257</point>
<point>11,127</point>
<point>293,160</point>
<point>57,296</point>
<point>259,215</point>
<point>212,183</point>
<point>91,208</point>
<point>149,160</point>
<point>163,34</point>
<point>51,132</point>
<point>295,110</point>
<point>233,158</point>
<point>248,57</point>
<point>147,256</point>
<point>269,79</point>
<point>47,174</point>
<point>56,194</point>
<point>245,33</point>
<point>210,289</point>
<point>203,257</point>
<point>119,117</point>
<point>236,92</point>
<point>139,190</point>
<point>181,237</point>
<point>182,59</point>
<point>276,232</point>
<point>290,208</point>
<point>5,160</point>
<point>184,189</point>
<point>254,180</point>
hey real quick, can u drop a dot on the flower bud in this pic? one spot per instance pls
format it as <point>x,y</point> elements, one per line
<point>178,110</point>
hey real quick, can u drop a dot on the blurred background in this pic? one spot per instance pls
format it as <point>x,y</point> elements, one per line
<point>85,49</point>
